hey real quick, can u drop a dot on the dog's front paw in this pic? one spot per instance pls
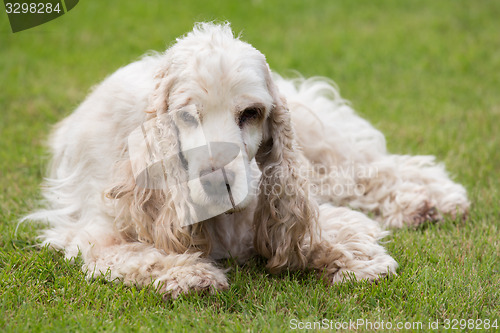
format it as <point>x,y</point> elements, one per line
<point>372,274</point>
<point>374,268</point>
<point>202,277</point>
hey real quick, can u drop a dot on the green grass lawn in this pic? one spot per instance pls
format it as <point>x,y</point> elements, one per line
<point>425,72</point>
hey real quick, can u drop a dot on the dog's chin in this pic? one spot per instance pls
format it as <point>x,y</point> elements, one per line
<point>248,201</point>
<point>220,201</point>
<point>236,209</point>
<point>208,206</point>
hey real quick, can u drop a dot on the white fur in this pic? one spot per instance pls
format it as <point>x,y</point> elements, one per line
<point>342,158</point>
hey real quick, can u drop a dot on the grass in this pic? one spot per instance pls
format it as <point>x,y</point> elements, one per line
<point>425,72</point>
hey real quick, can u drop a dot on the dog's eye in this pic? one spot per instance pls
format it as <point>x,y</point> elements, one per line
<point>248,114</point>
<point>188,118</point>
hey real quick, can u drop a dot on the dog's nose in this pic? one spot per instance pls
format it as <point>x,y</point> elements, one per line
<point>216,182</point>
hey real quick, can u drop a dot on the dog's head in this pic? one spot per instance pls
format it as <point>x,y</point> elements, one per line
<point>219,110</point>
<point>217,92</point>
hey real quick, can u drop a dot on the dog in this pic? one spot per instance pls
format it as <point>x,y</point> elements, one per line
<point>201,153</point>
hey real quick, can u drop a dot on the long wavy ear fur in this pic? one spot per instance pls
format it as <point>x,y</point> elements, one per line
<point>156,216</point>
<point>285,216</point>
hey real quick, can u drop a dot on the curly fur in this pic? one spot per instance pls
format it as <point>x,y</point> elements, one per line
<point>307,158</point>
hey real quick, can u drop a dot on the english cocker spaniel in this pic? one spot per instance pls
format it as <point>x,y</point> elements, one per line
<point>202,153</point>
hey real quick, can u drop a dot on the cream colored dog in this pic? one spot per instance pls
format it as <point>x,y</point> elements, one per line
<point>201,153</point>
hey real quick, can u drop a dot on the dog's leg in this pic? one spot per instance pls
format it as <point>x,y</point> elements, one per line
<point>106,254</point>
<point>142,264</point>
<point>409,190</point>
<point>348,247</point>
<point>398,190</point>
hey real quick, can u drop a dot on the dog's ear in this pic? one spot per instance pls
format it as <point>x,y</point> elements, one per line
<point>150,191</point>
<point>286,215</point>
<point>164,82</point>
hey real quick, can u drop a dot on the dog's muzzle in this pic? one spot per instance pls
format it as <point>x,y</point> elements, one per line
<point>220,161</point>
